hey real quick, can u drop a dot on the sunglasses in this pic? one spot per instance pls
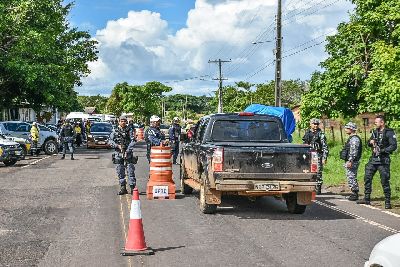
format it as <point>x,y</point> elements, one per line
<point>316,123</point>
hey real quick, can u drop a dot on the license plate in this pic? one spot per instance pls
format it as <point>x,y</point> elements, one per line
<point>18,153</point>
<point>267,186</point>
<point>101,143</point>
<point>160,191</point>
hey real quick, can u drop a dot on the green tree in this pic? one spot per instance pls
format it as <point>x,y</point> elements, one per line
<point>42,58</point>
<point>142,100</point>
<point>361,73</point>
<point>97,101</point>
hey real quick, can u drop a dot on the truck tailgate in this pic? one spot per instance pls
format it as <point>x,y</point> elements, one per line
<point>275,160</point>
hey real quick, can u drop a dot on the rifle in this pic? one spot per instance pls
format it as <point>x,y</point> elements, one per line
<point>376,147</point>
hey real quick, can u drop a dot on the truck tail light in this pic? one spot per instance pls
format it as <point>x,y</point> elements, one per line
<point>218,160</point>
<point>314,161</point>
<point>246,114</point>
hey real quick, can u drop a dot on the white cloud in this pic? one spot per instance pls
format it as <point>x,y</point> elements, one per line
<point>141,48</point>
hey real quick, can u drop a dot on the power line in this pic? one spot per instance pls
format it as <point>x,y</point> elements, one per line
<point>220,79</point>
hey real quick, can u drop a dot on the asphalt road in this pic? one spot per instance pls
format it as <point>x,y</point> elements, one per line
<point>66,213</point>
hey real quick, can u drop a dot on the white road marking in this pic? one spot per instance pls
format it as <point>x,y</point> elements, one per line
<point>391,213</point>
<point>384,227</point>
<point>35,162</point>
<point>370,207</point>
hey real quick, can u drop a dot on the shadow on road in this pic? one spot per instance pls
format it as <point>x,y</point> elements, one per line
<point>166,249</point>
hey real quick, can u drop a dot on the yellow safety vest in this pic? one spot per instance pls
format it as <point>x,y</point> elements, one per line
<point>78,129</point>
<point>35,133</point>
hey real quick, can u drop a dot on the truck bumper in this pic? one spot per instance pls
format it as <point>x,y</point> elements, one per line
<point>248,187</point>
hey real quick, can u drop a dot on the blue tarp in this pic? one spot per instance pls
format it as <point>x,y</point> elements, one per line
<point>285,114</point>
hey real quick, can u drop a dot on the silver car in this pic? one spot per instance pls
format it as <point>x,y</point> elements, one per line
<point>47,138</point>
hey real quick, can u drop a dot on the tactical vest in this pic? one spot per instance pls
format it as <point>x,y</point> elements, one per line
<point>122,137</point>
<point>67,131</point>
<point>347,148</point>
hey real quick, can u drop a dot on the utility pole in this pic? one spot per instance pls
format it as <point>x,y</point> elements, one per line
<point>278,56</point>
<point>219,61</point>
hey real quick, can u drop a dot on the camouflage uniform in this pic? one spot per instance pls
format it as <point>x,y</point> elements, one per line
<point>354,149</point>
<point>318,141</point>
<point>124,158</point>
<point>153,137</point>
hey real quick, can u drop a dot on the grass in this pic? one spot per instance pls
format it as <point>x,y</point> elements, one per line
<point>334,173</point>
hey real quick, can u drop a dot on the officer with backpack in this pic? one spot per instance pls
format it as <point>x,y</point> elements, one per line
<point>351,154</point>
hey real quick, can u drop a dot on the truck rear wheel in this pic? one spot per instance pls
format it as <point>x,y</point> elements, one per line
<point>293,207</point>
<point>204,207</point>
<point>10,162</point>
<point>185,189</point>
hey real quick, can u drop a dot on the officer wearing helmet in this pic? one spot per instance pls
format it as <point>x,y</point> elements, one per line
<point>122,139</point>
<point>68,135</point>
<point>153,136</point>
<point>174,138</point>
<point>351,154</point>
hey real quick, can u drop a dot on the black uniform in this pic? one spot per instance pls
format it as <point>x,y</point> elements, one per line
<point>153,137</point>
<point>174,137</point>
<point>318,141</point>
<point>68,135</point>
<point>386,144</point>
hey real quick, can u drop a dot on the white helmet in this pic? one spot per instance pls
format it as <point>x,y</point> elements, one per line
<point>175,119</point>
<point>154,118</point>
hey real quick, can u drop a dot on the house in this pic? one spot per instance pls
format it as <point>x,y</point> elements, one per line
<point>23,113</point>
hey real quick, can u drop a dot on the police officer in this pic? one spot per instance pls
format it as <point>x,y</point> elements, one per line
<point>35,133</point>
<point>123,141</point>
<point>351,154</point>
<point>68,135</point>
<point>174,138</point>
<point>153,136</point>
<point>383,142</point>
<point>317,139</point>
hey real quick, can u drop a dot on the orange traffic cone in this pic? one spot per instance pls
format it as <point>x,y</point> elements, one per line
<point>135,243</point>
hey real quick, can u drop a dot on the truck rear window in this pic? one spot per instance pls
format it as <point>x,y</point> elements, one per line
<point>246,131</point>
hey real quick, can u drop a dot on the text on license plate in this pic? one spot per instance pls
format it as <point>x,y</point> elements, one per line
<point>160,191</point>
<point>267,186</point>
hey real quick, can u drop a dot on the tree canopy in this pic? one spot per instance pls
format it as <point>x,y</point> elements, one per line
<point>42,58</point>
<point>361,73</point>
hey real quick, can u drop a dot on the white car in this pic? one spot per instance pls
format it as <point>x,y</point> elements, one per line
<point>386,253</point>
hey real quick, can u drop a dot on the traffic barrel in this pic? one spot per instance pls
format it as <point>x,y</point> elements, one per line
<point>140,134</point>
<point>161,184</point>
<point>135,242</point>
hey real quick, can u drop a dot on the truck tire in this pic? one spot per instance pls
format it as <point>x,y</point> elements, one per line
<point>293,207</point>
<point>10,162</point>
<point>204,207</point>
<point>50,147</point>
<point>185,189</point>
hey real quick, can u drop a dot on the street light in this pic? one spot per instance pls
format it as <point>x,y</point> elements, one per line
<point>261,42</point>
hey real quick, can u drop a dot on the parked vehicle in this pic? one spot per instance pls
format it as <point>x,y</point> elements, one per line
<point>10,152</point>
<point>47,140</point>
<point>248,155</point>
<point>24,143</point>
<point>386,253</point>
<point>99,135</point>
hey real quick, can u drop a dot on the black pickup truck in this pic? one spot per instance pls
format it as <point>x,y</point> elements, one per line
<point>250,155</point>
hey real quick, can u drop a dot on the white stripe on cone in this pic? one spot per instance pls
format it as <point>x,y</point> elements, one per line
<point>160,168</point>
<point>136,213</point>
<point>161,151</point>
<point>161,160</point>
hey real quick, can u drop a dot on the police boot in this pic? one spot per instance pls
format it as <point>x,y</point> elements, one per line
<point>388,206</point>
<point>72,156</point>
<point>366,200</point>
<point>63,156</point>
<point>353,196</point>
<point>318,189</point>
<point>123,190</point>
<point>132,188</point>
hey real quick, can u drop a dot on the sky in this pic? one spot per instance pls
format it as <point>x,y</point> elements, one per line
<point>173,41</point>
